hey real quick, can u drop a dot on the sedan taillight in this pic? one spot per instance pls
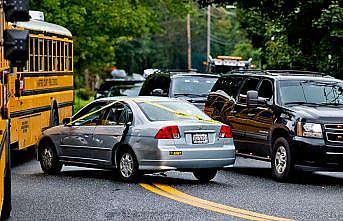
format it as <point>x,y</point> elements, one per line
<point>225,132</point>
<point>169,132</point>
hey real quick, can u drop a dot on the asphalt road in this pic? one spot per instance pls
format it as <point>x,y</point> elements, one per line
<point>89,194</point>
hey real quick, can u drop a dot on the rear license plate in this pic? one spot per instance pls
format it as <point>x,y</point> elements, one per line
<point>200,138</point>
<point>175,153</point>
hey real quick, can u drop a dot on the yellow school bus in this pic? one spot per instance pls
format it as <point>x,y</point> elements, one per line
<point>41,93</point>
<point>13,53</point>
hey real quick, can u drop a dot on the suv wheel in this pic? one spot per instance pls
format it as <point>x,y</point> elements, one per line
<point>127,165</point>
<point>205,175</point>
<point>48,158</point>
<point>282,162</point>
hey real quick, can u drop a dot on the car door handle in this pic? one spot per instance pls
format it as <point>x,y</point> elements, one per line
<point>251,115</point>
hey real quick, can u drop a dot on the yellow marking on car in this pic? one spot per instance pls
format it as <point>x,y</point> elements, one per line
<point>175,153</point>
<point>174,194</point>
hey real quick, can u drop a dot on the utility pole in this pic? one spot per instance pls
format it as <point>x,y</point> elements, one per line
<point>189,49</point>
<point>208,32</point>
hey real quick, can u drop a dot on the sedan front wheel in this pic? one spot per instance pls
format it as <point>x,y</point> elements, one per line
<point>48,159</point>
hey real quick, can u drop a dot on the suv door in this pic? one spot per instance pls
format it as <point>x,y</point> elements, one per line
<point>241,114</point>
<point>260,120</point>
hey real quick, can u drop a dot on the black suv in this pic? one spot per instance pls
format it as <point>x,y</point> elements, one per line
<point>191,86</point>
<point>291,118</point>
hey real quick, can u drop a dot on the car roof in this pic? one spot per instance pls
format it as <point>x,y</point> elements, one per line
<point>284,75</point>
<point>185,74</point>
<point>194,75</point>
<point>140,98</point>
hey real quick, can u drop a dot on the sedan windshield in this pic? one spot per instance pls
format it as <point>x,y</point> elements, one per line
<point>193,86</point>
<point>311,92</point>
<point>169,111</point>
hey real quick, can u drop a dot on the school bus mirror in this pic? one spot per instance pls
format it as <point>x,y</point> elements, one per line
<point>16,47</point>
<point>17,10</point>
<point>66,121</point>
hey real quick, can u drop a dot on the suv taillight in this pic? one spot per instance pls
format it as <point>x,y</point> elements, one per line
<point>225,132</point>
<point>169,132</point>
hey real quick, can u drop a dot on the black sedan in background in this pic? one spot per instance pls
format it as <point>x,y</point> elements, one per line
<point>191,86</point>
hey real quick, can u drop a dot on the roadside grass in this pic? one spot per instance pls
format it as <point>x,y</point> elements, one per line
<point>80,102</point>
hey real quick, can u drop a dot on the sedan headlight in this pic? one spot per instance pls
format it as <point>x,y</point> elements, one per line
<point>309,130</point>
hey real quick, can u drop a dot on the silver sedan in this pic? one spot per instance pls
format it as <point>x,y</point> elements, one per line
<point>139,135</point>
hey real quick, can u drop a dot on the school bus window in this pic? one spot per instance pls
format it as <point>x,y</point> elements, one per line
<point>50,55</point>
<point>66,57</point>
<point>41,55</point>
<point>70,57</point>
<point>46,53</point>
<point>53,55</point>
<point>35,54</point>
<point>62,57</point>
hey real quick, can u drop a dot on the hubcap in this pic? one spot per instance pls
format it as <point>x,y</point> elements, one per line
<point>126,165</point>
<point>281,160</point>
<point>47,158</point>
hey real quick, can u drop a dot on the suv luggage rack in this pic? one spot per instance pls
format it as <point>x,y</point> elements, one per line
<point>284,72</point>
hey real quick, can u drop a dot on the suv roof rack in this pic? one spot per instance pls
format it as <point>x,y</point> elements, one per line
<point>283,72</point>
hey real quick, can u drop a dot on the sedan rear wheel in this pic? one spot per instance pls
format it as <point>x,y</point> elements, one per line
<point>205,175</point>
<point>48,159</point>
<point>127,165</point>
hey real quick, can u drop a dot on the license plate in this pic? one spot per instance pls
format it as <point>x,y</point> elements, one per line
<point>175,153</point>
<point>200,138</point>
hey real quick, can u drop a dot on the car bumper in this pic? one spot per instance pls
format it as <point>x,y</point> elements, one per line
<point>317,154</point>
<point>190,158</point>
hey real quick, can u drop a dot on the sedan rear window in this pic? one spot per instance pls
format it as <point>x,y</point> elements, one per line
<point>169,111</point>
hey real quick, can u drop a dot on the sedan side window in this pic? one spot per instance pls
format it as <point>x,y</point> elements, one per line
<point>118,115</point>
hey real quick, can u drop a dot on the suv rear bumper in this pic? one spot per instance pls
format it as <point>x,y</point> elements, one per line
<point>315,153</point>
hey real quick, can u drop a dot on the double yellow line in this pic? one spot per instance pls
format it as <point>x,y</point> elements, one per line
<point>174,194</point>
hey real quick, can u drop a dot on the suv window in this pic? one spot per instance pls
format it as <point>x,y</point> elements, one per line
<point>249,84</point>
<point>229,85</point>
<point>266,89</point>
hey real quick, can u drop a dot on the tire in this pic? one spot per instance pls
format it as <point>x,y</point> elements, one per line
<point>48,158</point>
<point>127,165</point>
<point>205,175</point>
<point>282,160</point>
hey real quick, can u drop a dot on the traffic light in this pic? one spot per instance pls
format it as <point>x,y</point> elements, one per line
<point>16,47</point>
<point>16,10</point>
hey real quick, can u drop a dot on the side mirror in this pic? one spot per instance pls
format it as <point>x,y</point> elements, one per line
<point>17,10</point>
<point>66,121</point>
<point>16,47</point>
<point>252,99</point>
<point>157,92</point>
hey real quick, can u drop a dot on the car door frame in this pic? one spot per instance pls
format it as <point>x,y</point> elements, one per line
<point>107,137</point>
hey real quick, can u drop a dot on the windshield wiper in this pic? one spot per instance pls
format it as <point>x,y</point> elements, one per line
<point>191,95</point>
<point>333,104</point>
<point>303,103</point>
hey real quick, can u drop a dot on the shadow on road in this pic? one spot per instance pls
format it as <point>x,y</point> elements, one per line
<point>20,157</point>
<point>299,177</point>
